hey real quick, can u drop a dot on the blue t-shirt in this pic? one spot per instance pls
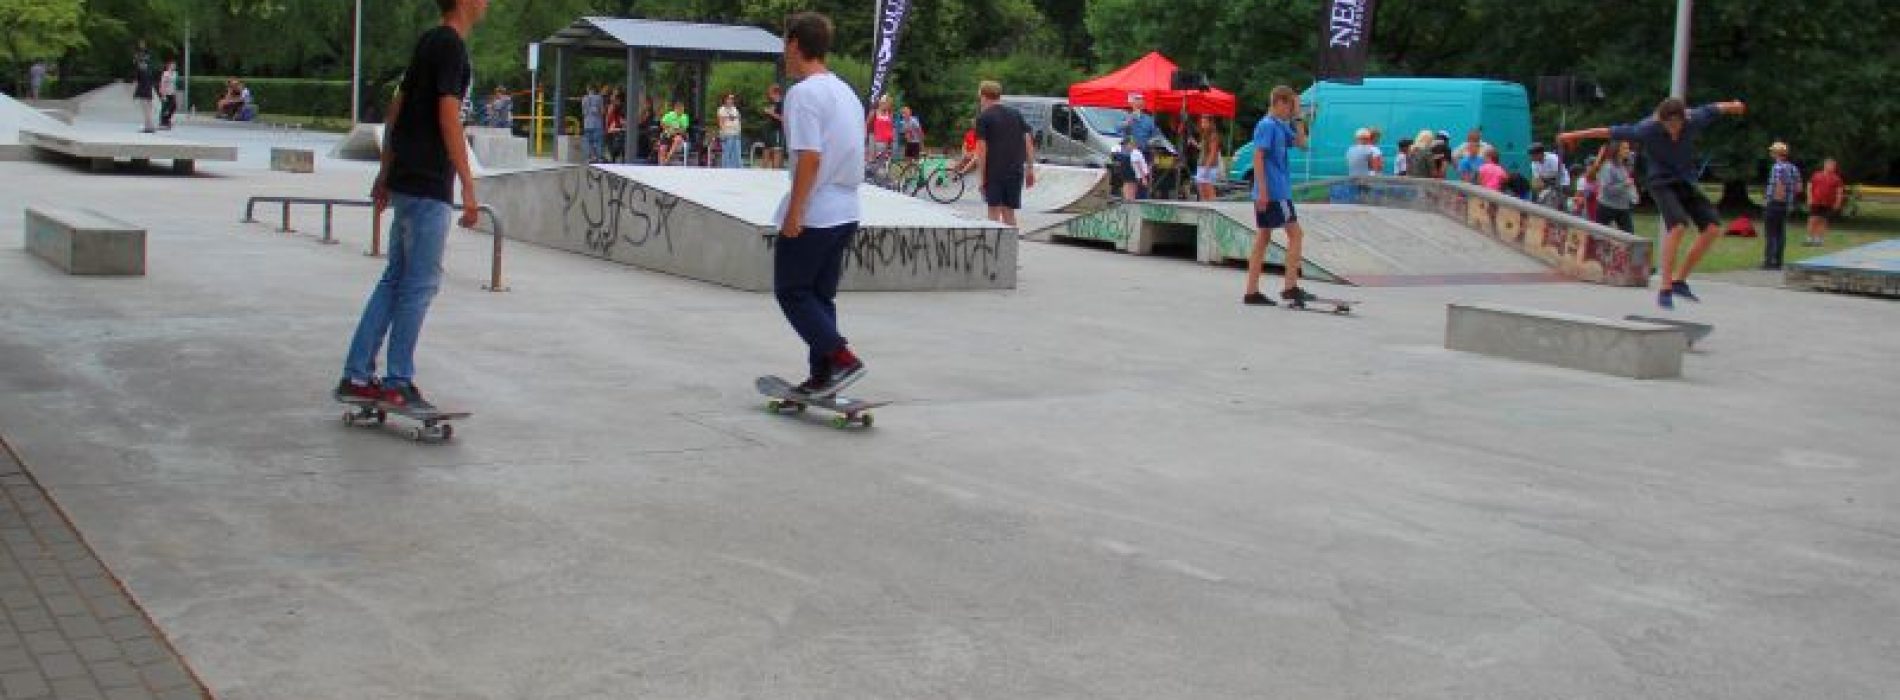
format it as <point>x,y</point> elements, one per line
<point>1468,166</point>
<point>1669,160</point>
<point>1271,139</point>
<point>1143,130</point>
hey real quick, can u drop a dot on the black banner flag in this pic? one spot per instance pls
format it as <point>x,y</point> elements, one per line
<point>1345,37</point>
<point>890,24</point>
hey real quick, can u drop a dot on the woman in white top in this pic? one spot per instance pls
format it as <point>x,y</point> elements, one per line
<point>731,144</point>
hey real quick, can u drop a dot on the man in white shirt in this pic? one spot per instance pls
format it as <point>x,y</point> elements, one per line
<point>824,131</point>
<point>1363,158</point>
<point>1548,175</point>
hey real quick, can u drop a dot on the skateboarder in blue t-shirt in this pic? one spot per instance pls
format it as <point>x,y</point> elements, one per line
<point>1279,130</point>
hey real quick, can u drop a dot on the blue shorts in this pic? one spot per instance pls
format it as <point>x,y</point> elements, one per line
<point>1277,215</point>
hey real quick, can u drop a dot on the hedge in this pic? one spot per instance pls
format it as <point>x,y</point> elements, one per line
<point>296,96</point>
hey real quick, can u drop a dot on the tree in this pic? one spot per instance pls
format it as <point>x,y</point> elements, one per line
<point>31,30</point>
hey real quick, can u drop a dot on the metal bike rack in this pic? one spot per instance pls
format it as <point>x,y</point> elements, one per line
<point>376,227</point>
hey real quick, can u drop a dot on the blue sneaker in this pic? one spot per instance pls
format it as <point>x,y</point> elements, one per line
<point>1681,289</point>
<point>1666,300</point>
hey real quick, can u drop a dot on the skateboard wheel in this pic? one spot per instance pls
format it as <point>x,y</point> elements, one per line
<point>866,420</point>
<point>841,422</point>
<point>448,431</point>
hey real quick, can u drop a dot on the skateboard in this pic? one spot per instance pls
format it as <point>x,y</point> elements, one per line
<point>1694,331</point>
<point>435,425</point>
<point>784,398</point>
<point>1336,307</point>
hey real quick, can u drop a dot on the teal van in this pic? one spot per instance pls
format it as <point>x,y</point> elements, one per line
<point>1400,108</point>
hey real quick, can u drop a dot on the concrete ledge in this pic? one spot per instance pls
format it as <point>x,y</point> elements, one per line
<point>497,148</point>
<point>85,242</point>
<point>105,148</point>
<point>293,160</point>
<point>1869,269</point>
<point>1607,346</point>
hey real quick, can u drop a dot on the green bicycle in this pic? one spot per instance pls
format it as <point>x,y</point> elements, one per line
<point>934,175</point>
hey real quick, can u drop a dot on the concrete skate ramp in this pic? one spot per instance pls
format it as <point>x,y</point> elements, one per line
<point>1870,269</point>
<point>1393,233</point>
<point>1059,188</point>
<point>109,103</point>
<point>715,225</point>
<point>16,115</point>
<point>364,142</point>
<point>105,147</point>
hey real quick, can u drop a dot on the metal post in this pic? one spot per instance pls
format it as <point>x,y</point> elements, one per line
<point>1679,66</point>
<point>560,109</point>
<point>356,69</point>
<point>635,88</point>
<point>329,214</point>
<point>494,270</point>
<point>286,227</point>
<point>184,94</point>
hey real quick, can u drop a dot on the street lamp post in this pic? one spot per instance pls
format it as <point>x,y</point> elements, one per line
<point>1679,67</point>
<point>356,70</point>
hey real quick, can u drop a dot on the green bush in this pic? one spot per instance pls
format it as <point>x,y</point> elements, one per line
<point>298,96</point>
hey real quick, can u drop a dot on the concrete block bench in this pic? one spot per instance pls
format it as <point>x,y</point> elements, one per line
<point>497,148</point>
<point>85,242</point>
<point>293,160</point>
<point>1609,346</point>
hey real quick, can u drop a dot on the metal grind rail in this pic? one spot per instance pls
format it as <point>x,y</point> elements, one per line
<point>376,227</point>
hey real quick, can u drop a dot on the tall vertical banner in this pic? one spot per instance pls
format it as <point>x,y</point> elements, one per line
<point>1345,39</point>
<point>890,25</point>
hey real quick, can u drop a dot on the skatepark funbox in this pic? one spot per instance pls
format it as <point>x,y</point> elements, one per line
<point>716,226</point>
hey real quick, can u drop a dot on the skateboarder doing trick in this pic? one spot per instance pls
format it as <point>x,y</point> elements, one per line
<point>424,156</point>
<point>1668,141</point>
<point>824,131</point>
<point>1273,196</point>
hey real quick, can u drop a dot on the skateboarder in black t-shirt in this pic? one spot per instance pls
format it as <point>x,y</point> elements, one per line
<point>423,157</point>
<point>1005,153</point>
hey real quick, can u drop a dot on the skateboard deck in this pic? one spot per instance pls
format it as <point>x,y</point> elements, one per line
<point>1694,331</point>
<point>435,425</point>
<point>1337,307</point>
<point>784,398</point>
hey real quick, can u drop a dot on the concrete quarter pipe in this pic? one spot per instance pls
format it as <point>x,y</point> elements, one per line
<point>716,225</point>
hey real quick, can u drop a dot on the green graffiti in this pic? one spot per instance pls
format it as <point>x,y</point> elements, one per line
<point>1108,225</point>
<point>1151,212</point>
<point>1231,238</point>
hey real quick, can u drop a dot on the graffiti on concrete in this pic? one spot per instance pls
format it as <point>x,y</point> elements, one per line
<point>1576,249</point>
<point>606,211</point>
<point>927,251</point>
<point>1112,224</point>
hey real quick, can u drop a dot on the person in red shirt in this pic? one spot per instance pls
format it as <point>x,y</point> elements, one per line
<point>1826,194</point>
<point>968,162</point>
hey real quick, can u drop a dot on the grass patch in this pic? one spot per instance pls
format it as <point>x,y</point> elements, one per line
<point>1877,221</point>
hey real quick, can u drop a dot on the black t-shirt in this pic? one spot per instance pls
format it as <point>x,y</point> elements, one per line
<point>1002,130</point>
<point>439,68</point>
<point>145,82</point>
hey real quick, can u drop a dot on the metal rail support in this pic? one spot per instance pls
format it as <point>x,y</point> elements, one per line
<point>376,230</point>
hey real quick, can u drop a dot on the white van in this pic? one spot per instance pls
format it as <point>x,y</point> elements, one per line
<point>1065,135</point>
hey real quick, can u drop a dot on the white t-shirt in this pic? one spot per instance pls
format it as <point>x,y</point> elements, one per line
<point>1359,159</point>
<point>823,116</point>
<point>728,120</point>
<point>1552,168</point>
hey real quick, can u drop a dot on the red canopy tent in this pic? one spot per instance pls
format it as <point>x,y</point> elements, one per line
<point>1151,77</point>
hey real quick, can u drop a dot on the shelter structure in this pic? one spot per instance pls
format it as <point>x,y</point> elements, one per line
<point>642,42</point>
<point>1152,77</point>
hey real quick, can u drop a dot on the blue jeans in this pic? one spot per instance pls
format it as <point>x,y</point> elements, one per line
<point>805,274</point>
<point>731,152</point>
<point>593,144</point>
<point>401,299</point>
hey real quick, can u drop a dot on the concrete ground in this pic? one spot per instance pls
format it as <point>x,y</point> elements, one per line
<point>1112,482</point>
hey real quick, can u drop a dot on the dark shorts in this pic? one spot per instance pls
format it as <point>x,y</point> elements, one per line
<point>1277,215</point>
<point>1683,204</point>
<point>913,150</point>
<point>1003,190</point>
<point>1824,212</point>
